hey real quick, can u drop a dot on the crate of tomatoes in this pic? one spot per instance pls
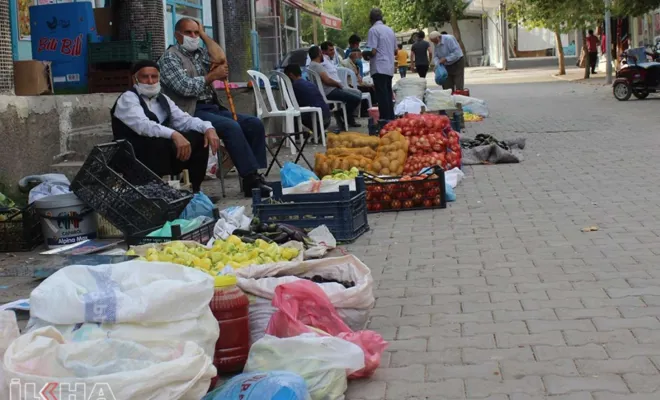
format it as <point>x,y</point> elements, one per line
<point>416,192</point>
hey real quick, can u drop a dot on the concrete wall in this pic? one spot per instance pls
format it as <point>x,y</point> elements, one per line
<point>34,130</point>
<point>37,129</point>
<point>471,33</point>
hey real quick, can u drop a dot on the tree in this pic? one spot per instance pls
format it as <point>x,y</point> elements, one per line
<point>355,21</point>
<point>559,16</point>
<point>410,14</point>
<point>567,15</point>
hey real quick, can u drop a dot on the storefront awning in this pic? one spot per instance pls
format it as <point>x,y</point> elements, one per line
<point>327,20</point>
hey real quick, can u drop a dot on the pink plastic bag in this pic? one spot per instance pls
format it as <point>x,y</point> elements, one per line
<point>302,305</point>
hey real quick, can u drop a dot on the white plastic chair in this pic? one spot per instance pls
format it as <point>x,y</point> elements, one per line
<point>349,79</point>
<point>271,109</point>
<point>335,105</point>
<point>286,88</point>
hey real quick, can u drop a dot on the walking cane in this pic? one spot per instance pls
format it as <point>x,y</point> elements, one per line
<point>232,107</point>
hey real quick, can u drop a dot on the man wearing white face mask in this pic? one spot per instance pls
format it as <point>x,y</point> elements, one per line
<point>164,138</point>
<point>187,73</point>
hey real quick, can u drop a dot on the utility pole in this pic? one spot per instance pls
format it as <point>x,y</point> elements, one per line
<point>608,39</point>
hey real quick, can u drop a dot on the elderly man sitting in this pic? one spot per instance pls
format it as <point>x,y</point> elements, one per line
<point>164,138</point>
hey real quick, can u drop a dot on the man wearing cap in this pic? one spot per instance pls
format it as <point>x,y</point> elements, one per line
<point>382,41</point>
<point>188,71</point>
<point>448,52</point>
<point>165,139</point>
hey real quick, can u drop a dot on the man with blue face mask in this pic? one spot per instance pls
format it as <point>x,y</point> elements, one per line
<point>188,71</point>
<point>165,139</point>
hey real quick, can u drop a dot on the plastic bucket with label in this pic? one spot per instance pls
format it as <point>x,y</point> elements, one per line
<point>65,220</point>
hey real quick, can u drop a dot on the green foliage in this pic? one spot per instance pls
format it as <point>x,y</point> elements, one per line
<point>633,8</point>
<point>355,20</point>
<point>562,15</point>
<point>403,15</point>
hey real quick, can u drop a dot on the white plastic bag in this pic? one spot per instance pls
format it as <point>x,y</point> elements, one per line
<point>324,186</point>
<point>204,331</point>
<point>123,370</point>
<point>131,292</point>
<point>454,176</point>
<point>231,218</point>
<point>439,100</point>
<point>8,333</point>
<point>472,105</point>
<point>411,105</point>
<point>407,87</point>
<point>51,185</point>
<point>324,362</point>
<point>212,166</point>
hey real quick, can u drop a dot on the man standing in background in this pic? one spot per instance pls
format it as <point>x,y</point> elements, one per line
<point>448,53</point>
<point>420,55</point>
<point>382,42</point>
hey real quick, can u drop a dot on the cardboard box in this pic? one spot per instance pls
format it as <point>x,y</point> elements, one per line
<point>32,78</point>
<point>103,19</point>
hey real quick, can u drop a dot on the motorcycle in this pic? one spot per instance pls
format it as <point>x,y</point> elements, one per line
<point>636,79</point>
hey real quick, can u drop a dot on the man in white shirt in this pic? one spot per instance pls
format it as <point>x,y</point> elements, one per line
<point>165,139</point>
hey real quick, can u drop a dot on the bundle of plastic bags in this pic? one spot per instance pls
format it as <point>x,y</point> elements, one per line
<point>144,302</point>
<point>407,87</point>
<point>120,369</point>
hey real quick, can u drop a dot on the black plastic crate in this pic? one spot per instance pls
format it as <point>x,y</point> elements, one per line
<point>200,235</point>
<point>391,194</point>
<point>20,230</point>
<point>343,212</point>
<point>109,182</point>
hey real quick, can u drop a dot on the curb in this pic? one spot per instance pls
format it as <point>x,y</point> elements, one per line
<point>581,80</point>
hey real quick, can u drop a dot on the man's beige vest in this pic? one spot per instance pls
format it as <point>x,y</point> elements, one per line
<point>187,104</point>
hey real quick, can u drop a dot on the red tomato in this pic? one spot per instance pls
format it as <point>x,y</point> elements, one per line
<point>408,204</point>
<point>386,198</point>
<point>432,192</point>
<point>370,206</point>
<point>396,204</point>
<point>417,198</point>
<point>428,203</point>
<point>377,207</point>
<point>437,201</point>
<point>389,188</point>
<point>377,189</point>
<point>411,189</point>
<point>370,195</point>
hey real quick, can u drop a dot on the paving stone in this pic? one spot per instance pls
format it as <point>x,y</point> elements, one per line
<point>506,265</point>
<point>397,390</point>
<point>631,396</point>
<point>639,383</point>
<point>577,338</point>
<point>471,328</point>
<point>404,358</point>
<point>486,370</point>
<point>641,365</point>
<point>546,326</point>
<point>561,385</point>
<point>589,351</point>
<point>410,373</point>
<point>517,369</point>
<point>505,340</point>
<point>478,342</point>
<point>477,388</point>
<point>471,355</point>
<point>611,324</point>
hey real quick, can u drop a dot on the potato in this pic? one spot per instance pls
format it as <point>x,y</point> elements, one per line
<point>385,171</point>
<point>394,165</point>
<point>376,165</point>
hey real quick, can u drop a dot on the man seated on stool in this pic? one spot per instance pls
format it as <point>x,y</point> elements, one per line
<point>187,74</point>
<point>165,139</point>
<point>307,95</point>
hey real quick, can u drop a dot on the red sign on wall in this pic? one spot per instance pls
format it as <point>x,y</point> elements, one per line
<point>330,21</point>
